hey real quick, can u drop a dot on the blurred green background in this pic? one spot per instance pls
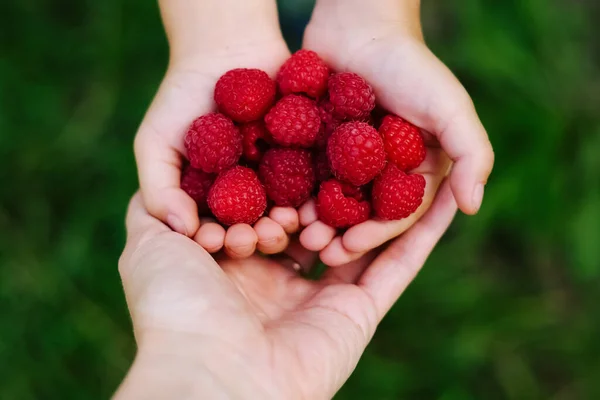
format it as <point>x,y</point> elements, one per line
<point>507,306</point>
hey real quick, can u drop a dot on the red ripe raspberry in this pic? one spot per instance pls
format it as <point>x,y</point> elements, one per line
<point>294,121</point>
<point>303,72</point>
<point>322,169</point>
<point>256,140</point>
<point>245,94</point>
<point>341,205</point>
<point>237,197</point>
<point>352,97</point>
<point>403,142</point>
<point>329,122</point>
<point>288,176</point>
<point>213,143</point>
<point>356,153</point>
<point>395,194</point>
<point>196,184</point>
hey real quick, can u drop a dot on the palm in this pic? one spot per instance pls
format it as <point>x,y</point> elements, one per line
<point>287,326</point>
<point>316,328</point>
<point>408,79</point>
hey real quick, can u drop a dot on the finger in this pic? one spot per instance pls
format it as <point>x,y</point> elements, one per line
<point>240,241</point>
<point>211,235</point>
<point>396,267</point>
<point>317,236</point>
<point>159,169</point>
<point>308,213</point>
<point>436,162</point>
<point>139,222</point>
<point>350,272</point>
<point>373,233</point>
<point>271,236</point>
<point>336,255</point>
<point>472,163</point>
<point>287,217</point>
<point>304,257</point>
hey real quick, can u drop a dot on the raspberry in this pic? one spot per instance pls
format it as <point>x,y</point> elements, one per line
<point>245,94</point>
<point>213,143</point>
<point>322,169</point>
<point>288,176</point>
<point>395,194</point>
<point>403,142</point>
<point>237,197</point>
<point>352,97</point>
<point>196,184</point>
<point>256,140</point>
<point>356,152</point>
<point>341,205</point>
<point>294,121</point>
<point>303,72</point>
<point>329,123</point>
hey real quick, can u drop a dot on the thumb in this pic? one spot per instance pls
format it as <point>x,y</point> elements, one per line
<point>159,148</point>
<point>452,118</point>
<point>415,84</point>
<point>159,170</point>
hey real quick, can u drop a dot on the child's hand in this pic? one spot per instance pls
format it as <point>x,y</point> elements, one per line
<point>382,42</point>
<point>202,49</point>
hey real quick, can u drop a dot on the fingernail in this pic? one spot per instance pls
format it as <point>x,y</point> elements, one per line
<point>176,224</point>
<point>477,196</point>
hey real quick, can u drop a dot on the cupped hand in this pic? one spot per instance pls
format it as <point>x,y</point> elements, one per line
<point>185,94</point>
<point>255,325</point>
<point>385,46</point>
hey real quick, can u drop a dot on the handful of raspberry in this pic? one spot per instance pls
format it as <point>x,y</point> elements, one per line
<point>312,132</point>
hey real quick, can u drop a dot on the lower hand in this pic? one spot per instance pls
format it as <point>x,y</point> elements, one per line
<point>217,328</point>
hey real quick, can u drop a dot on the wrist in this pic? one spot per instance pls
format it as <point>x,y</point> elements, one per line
<point>164,375</point>
<point>210,27</point>
<point>399,16</point>
<point>174,365</point>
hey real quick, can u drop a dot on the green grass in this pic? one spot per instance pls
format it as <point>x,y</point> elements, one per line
<point>507,305</point>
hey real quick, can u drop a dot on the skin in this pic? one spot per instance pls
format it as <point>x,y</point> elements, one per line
<point>253,328</point>
<point>211,318</point>
<point>206,40</point>
<point>382,41</point>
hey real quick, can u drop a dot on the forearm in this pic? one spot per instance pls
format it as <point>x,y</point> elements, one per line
<point>203,26</point>
<point>404,14</point>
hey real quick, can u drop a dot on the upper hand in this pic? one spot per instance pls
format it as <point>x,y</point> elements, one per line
<point>385,46</point>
